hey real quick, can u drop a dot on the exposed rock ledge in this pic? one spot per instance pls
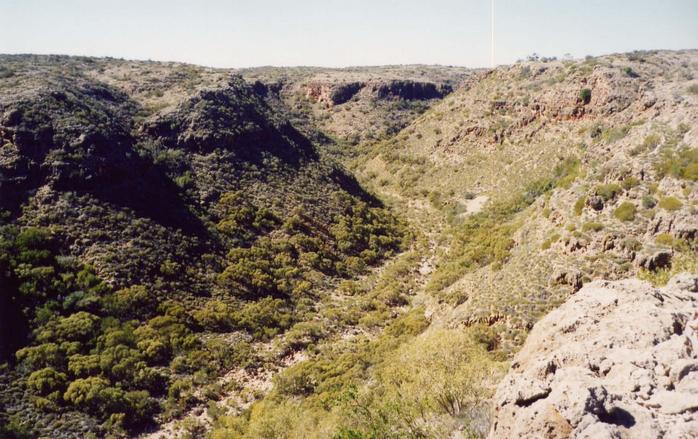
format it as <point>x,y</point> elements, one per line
<point>617,360</point>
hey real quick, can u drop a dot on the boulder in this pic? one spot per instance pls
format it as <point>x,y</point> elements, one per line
<point>618,359</point>
<point>655,261</point>
<point>572,278</point>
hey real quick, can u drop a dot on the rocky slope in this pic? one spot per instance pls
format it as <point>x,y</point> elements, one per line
<point>586,168</point>
<point>618,359</point>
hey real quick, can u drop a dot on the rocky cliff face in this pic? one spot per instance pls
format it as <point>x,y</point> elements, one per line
<point>338,93</point>
<point>616,360</point>
<point>355,103</point>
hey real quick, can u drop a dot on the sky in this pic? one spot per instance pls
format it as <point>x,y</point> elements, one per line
<point>236,33</point>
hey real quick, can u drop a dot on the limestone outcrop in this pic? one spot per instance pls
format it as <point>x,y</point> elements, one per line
<point>617,360</point>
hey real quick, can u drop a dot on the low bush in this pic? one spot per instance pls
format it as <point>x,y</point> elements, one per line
<point>664,239</point>
<point>486,237</point>
<point>550,241</point>
<point>630,72</point>
<point>608,191</point>
<point>579,205</point>
<point>592,226</point>
<point>648,201</point>
<point>615,134</point>
<point>585,95</point>
<point>670,203</point>
<point>681,163</point>
<point>625,212</point>
<point>630,182</point>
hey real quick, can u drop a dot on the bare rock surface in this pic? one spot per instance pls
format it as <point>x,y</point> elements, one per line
<point>617,360</point>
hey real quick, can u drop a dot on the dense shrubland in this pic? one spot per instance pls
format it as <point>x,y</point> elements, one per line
<point>330,395</point>
<point>125,356</point>
<point>281,260</point>
<point>84,350</point>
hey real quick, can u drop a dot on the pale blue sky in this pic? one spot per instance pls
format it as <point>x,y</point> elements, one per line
<point>237,33</point>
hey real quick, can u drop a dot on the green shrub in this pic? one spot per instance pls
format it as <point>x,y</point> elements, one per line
<point>579,205</point>
<point>46,380</point>
<point>585,95</point>
<point>128,303</point>
<point>631,244</point>
<point>681,262</point>
<point>630,182</point>
<point>41,356</point>
<point>265,318</point>
<point>185,180</point>
<point>625,212</point>
<point>664,239</point>
<point>651,141</point>
<point>550,241</point>
<point>93,394</point>
<point>608,191</point>
<point>693,89</point>
<point>681,163</point>
<point>214,316</point>
<point>592,226</point>
<point>670,203</point>
<point>611,135</point>
<point>455,367</point>
<point>630,72</point>
<point>84,365</point>
<point>648,201</point>
<point>303,334</point>
<point>566,172</point>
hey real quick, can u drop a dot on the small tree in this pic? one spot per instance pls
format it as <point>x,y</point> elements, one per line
<point>585,95</point>
<point>46,380</point>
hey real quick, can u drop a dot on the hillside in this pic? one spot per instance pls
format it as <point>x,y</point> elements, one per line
<point>300,252</point>
<point>588,168</point>
<point>140,239</point>
<point>524,184</point>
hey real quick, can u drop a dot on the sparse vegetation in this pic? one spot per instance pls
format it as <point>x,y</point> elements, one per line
<point>630,72</point>
<point>579,205</point>
<point>612,135</point>
<point>686,261</point>
<point>648,201</point>
<point>550,241</point>
<point>328,395</point>
<point>681,163</point>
